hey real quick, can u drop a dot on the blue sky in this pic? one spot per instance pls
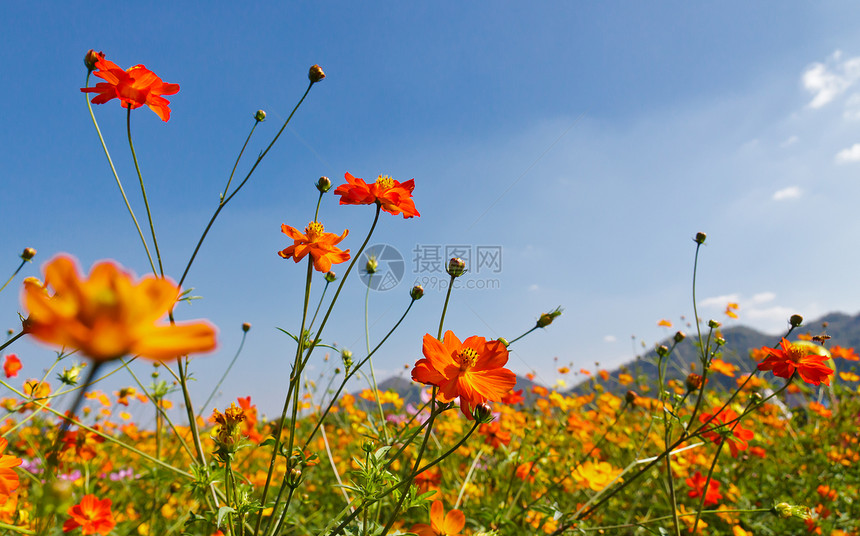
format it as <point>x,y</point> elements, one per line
<point>588,141</point>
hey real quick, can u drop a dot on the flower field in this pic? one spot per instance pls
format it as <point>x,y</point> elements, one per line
<point>775,453</point>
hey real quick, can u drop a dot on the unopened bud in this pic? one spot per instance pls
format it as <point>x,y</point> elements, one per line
<point>504,341</point>
<point>631,396</point>
<point>295,477</point>
<point>662,350</point>
<point>246,327</point>
<point>547,318</point>
<point>713,324</point>
<point>28,254</point>
<point>483,413</point>
<point>417,292</point>
<point>315,74</point>
<point>795,321</point>
<point>346,356</point>
<point>679,336</point>
<point>700,238</point>
<point>719,341</point>
<point>91,58</point>
<point>330,276</point>
<point>324,184</point>
<point>693,382</point>
<point>372,265</point>
<point>367,446</point>
<point>260,116</point>
<point>456,267</point>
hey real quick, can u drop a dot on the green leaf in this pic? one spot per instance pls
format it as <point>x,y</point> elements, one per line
<point>223,511</point>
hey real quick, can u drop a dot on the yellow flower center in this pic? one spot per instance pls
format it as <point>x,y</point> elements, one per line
<point>385,182</point>
<point>467,358</point>
<point>314,230</point>
<point>794,354</point>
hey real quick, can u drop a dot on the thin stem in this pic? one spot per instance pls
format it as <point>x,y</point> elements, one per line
<point>143,193</point>
<point>224,376</point>
<point>11,277</point>
<point>118,182</point>
<point>13,339</point>
<point>521,336</point>
<point>238,158</point>
<point>370,361</point>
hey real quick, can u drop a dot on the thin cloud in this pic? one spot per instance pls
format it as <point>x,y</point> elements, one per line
<point>827,81</point>
<point>789,142</point>
<point>851,154</point>
<point>609,338</point>
<point>719,301</point>
<point>792,192</point>
<point>763,297</point>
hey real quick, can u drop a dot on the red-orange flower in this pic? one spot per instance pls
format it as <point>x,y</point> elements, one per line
<point>392,196</point>
<point>108,314</point>
<point>494,434</point>
<point>847,354</point>
<point>791,358</point>
<point>92,515</point>
<point>472,370</point>
<point>8,477</point>
<point>11,365</point>
<point>734,434</point>
<point>441,524</point>
<point>134,88</point>
<point>697,485</point>
<point>317,242</point>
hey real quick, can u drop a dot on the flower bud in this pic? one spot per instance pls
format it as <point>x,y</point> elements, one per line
<point>713,324</point>
<point>417,292</point>
<point>346,357</point>
<point>719,341</point>
<point>504,341</point>
<point>456,267</point>
<point>795,321</point>
<point>631,396</point>
<point>295,477</point>
<point>91,58</point>
<point>662,350</point>
<point>679,336</point>
<point>700,238</point>
<point>246,327</point>
<point>324,184</point>
<point>315,74</point>
<point>546,318</point>
<point>260,116</point>
<point>693,382</point>
<point>330,276</point>
<point>28,254</point>
<point>483,413</point>
<point>367,446</point>
<point>372,265</point>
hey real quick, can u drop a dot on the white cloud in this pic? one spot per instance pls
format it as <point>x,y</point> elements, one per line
<point>763,297</point>
<point>534,287</point>
<point>774,313</point>
<point>792,192</point>
<point>609,338</point>
<point>827,81</point>
<point>719,301</point>
<point>851,154</point>
<point>789,142</point>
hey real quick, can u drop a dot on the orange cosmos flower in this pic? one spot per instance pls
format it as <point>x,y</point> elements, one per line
<point>494,434</point>
<point>92,515</point>
<point>134,88</point>
<point>441,524</point>
<point>847,354</point>
<point>791,358</point>
<point>8,477</point>
<point>733,433</point>
<point>472,369</point>
<point>697,485</point>
<point>318,243</point>
<point>727,369</point>
<point>11,366</point>
<point>392,196</point>
<point>108,315</point>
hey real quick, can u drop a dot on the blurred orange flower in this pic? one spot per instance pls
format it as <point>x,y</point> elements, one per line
<point>134,88</point>
<point>472,369</point>
<point>697,485</point>
<point>723,367</point>
<point>734,434</point>
<point>847,354</point>
<point>109,315</point>
<point>8,477</point>
<point>317,242</point>
<point>441,524</point>
<point>11,365</point>
<point>392,196</point>
<point>665,323</point>
<point>791,358</point>
<point>92,515</point>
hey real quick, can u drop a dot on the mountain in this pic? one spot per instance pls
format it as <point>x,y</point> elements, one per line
<point>844,330</point>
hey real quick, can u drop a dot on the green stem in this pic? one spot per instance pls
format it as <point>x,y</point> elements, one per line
<point>238,158</point>
<point>223,376</point>
<point>11,277</point>
<point>521,336</point>
<point>13,339</point>
<point>143,193</point>
<point>118,182</point>
<point>370,361</point>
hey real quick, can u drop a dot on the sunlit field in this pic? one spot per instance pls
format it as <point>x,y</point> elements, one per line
<point>767,447</point>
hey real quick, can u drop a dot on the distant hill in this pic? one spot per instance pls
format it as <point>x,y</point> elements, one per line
<point>844,330</point>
